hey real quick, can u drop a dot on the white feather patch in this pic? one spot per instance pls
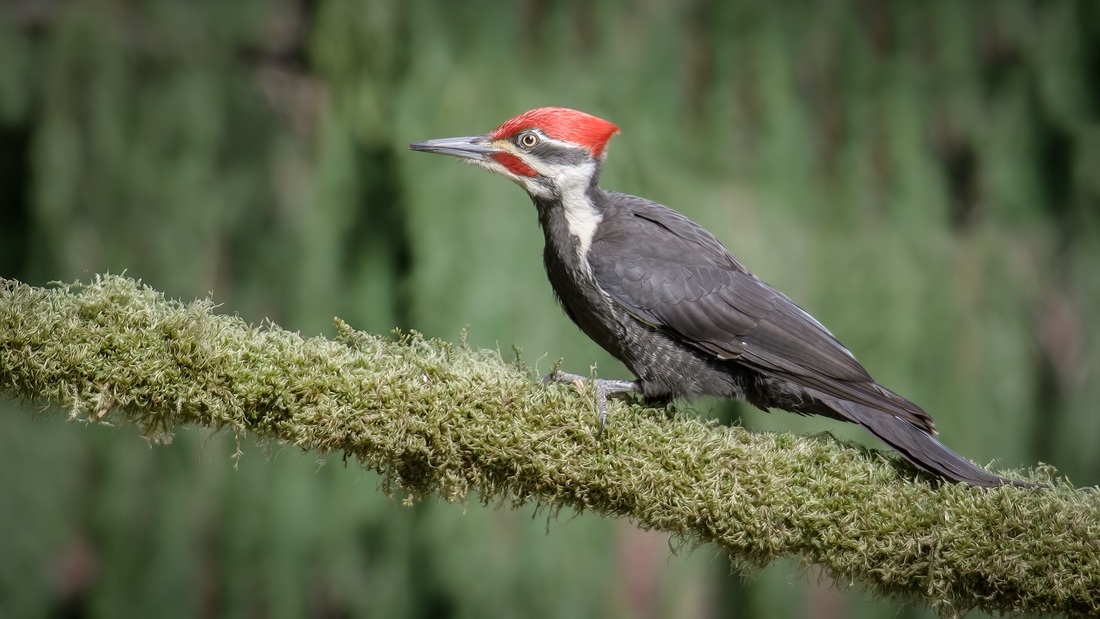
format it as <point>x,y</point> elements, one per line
<point>580,214</point>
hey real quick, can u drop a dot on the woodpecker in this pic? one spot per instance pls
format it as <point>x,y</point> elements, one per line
<point>665,297</point>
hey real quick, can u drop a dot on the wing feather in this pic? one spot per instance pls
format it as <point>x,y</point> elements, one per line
<point>668,271</point>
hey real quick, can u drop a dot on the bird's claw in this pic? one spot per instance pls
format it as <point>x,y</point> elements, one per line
<point>603,389</point>
<point>563,377</point>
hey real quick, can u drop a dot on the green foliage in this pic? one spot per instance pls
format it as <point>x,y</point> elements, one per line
<point>435,418</point>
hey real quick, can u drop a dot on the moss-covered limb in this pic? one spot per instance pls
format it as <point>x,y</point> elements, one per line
<point>437,418</point>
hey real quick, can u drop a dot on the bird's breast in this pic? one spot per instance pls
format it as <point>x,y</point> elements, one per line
<point>566,262</point>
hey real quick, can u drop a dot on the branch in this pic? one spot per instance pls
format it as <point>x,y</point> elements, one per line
<point>436,418</point>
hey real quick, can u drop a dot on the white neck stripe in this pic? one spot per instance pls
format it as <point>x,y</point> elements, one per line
<point>581,216</point>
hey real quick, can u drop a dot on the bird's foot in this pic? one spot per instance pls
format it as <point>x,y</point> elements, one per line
<point>603,387</point>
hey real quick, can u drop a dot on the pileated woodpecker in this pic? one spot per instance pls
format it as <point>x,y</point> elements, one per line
<point>666,298</point>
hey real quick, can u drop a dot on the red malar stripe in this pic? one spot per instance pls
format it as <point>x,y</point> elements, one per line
<point>514,164</point>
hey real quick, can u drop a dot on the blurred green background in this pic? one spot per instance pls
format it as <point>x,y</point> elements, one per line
<point>922,177</point>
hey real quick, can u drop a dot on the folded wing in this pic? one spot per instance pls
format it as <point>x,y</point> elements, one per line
<point>675,276</point>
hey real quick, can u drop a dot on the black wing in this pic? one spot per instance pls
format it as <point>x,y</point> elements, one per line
<point>670,273</point>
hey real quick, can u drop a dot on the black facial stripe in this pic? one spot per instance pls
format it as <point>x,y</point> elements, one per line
<point>552,153</point>
<point>549,152</point>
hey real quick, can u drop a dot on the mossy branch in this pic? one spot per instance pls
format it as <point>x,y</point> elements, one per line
<point>432,417</point>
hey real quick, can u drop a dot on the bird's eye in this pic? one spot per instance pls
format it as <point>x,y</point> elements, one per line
<point>528,140</point>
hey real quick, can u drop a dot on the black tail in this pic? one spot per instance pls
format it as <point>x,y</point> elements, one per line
<point>921,448</point>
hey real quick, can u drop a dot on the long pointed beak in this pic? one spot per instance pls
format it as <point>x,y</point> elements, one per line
<point>474,147</point>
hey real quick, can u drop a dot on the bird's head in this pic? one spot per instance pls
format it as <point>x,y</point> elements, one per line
<point>549,151</point>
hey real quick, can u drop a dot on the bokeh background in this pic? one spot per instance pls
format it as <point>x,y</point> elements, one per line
<point>924,177</point>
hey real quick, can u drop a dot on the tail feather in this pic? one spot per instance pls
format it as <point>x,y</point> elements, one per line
<point>920,448</point>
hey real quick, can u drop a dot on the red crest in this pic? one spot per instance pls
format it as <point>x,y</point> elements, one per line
<point>562,124</point>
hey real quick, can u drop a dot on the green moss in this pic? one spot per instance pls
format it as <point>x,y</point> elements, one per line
<point>437,418</point>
